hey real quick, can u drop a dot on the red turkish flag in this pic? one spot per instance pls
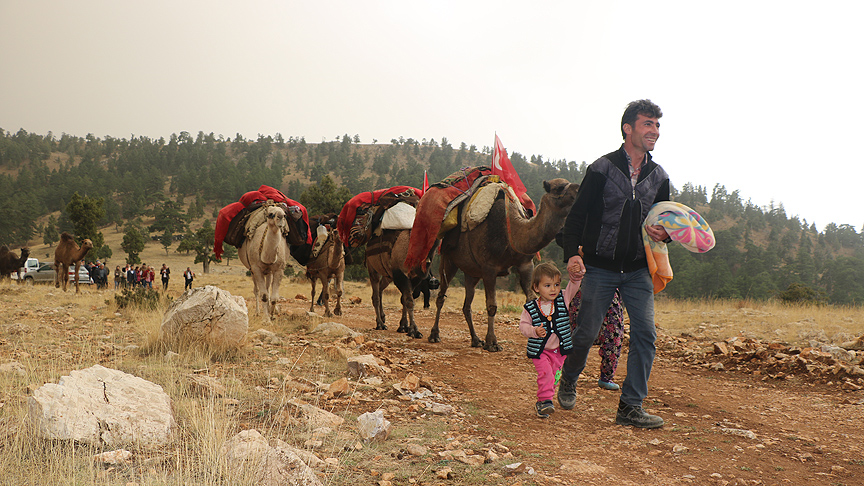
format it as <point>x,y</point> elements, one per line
<point>501,166</point>
<point>425,182</point>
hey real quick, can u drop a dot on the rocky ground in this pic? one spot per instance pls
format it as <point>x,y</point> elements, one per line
<point>738,411</point>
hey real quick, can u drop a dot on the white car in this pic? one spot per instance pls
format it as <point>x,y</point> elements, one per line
<point>45,273</point>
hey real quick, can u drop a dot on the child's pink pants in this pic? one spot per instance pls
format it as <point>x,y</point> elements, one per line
<point>547,364</point>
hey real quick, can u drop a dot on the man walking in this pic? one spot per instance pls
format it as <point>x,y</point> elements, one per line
<point>606,223</point>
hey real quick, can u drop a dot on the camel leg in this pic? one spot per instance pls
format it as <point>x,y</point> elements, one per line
<point>256,296</point>
<point>375,281</point>
<point>446,271</point>
<point>77,269</point>
<point>313,278</point>
<point>274,291</point>
<point>325,291</point>
<point>58,270</point>
<point>491,344</point>
<point>264,298</point>
<point>470,284</point>
<point>525,270</point>
<point>339,289</point>
<point>407,324</point>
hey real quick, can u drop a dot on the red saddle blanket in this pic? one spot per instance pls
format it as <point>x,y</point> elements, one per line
<point>349,210</point>
<point>229,212</point>
<point>436,203</point>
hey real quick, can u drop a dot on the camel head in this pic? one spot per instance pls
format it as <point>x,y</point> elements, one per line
<point>560,194</point>
<point>25,254</point>
<point>276,217</point>
<point>86,245</point>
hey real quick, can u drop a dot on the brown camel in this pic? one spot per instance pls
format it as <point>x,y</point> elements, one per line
<point>66,254</point>
<point>265,252</point>
<point>503,240</point>
<point>11,263</point>
<point>386,250</point>
<point>326,261</point>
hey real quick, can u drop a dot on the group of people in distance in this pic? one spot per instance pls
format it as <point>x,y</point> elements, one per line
<point>607,269</point>
<point>143,276</point>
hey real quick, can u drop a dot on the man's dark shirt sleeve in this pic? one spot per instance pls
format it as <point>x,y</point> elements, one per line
<point>589,191</point>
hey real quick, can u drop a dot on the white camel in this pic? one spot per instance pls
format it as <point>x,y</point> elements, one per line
<point>265,253</point>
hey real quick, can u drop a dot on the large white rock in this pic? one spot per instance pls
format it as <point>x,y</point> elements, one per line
<point>103,406</point>
<point>207,316</point>
<point>248,453</point>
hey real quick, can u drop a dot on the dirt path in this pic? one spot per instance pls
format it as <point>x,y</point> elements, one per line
<point>721,427</point>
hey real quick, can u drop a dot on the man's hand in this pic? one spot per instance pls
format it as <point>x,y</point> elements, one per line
<point>657,232</point>
<point>575,267</point>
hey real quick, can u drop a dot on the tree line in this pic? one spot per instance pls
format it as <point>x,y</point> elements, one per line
<point>93,182</point>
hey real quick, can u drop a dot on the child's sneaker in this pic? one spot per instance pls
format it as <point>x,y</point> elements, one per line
<point>608,385</point>
<point>544,408</point>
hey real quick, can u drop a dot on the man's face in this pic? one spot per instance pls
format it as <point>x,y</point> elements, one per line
<point>645,132</point>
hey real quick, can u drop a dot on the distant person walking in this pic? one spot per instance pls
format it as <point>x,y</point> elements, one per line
<point>166,275</point>
<point>188,276</point>
<point>119,277</point>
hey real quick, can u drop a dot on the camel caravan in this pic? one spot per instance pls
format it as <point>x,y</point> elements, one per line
<point>477,222</point>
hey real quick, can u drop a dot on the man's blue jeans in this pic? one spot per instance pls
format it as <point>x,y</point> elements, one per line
<point>637,293</point>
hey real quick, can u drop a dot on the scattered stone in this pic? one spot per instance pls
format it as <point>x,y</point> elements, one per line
<point>206,316</point>
<point>444,473</point>
<point>334,329</point>
<point>416,449</point>
<point>373,426</point>
<point>120,456</point>
<point>518,468</point>
<point>99,405</point>
<point>679,449</point>
<point>249,455</point>
<point>338,388</point>
<point>411,382</point>
<point>302,413</point>
<point>13,367</point>
<point>720,348</point>
<point>749,434</point>
<point>439,408</point>
<point>364,365</point>
<point>300,297</point>
<point>205,386</point>
<point>355,300</point>
<point>266,337</point>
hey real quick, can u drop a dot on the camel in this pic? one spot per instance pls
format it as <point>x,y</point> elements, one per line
<point>265,252</point>
<point>504,240</point>
<point>328,263</point>
<point>385,256</point>
<point>11,263</point>
<point>66,254</point>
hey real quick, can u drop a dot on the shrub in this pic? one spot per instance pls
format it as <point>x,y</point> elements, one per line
<point>139,297</point>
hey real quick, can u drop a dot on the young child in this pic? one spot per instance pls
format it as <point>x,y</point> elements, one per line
<point>546,323</point>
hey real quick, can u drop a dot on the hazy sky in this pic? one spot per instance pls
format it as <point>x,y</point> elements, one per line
<point>757,95</point>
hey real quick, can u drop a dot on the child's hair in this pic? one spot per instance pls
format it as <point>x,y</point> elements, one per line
<point>545,269</point>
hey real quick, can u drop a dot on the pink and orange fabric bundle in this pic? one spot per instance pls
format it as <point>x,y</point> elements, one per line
<point>685,226</point>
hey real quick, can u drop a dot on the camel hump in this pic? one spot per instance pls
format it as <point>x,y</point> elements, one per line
<point>478,207</point>
<point>65,236</point>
